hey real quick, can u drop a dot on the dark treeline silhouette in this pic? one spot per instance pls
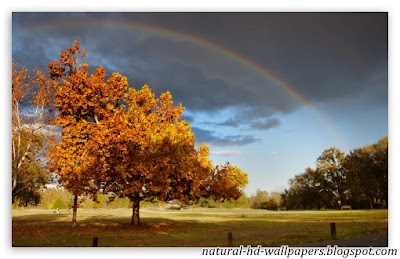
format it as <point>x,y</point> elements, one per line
<point>359,179</point>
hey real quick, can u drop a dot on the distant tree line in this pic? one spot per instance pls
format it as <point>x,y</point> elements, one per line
<point>359,179</point>
<point>260,200</point>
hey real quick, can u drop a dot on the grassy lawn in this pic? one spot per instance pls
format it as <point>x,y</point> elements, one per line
<point>194,227</point>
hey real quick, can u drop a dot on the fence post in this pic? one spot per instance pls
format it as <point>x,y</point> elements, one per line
<point>333,230</point>
<point>95,242</point>
<point>230,242</point>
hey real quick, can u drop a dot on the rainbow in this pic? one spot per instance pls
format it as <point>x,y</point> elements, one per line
<point>212,46</point>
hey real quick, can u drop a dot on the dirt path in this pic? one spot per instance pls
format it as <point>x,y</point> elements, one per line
<point>376,240</point>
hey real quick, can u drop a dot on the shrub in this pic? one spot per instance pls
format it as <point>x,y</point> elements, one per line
<point>58,204</point>
<point>56,196</point>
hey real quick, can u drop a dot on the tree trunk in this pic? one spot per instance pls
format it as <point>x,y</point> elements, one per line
<point>14,181</point>
<point>371,206</point>
<point>74,211</point>
<point>342,198</point>
<point>135,212</point>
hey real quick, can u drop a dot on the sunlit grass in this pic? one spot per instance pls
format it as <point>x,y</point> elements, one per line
<point>193,227</point>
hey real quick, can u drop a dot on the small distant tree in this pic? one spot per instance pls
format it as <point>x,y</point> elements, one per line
<point>260,199</point>
<point>265,201</point>
<point>32,176</point>
<point>227,182</point>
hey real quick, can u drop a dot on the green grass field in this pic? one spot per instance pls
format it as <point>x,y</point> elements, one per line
<point>193,227</point>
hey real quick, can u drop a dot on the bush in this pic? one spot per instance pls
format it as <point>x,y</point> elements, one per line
<point>206,203</point>
<point>120,203</point>
<point>242,202</point>
<point>269,205</point>
<point>264,201</point>
<point>56,197</point>
<point>58,204</point>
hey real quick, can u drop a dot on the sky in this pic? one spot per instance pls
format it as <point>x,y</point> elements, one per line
<point>268,92</point>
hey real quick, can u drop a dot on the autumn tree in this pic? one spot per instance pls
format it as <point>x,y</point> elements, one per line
<point>147,152</point>
<point>127,142</point>
<point>367,174</point>
<point>322,187</point>
<point>220,183</point>
<point>227,181</point>
<point>32,109</point>
<point>330,165</point>
<point>381,161</point>
<point>308,191</point>
<point>359,179</point>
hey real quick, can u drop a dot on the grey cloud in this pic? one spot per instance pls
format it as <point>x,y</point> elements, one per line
<point>230,122</point>
<point>253,121</point>
<point>265,124</point>
<point>253,117</point>
<point>207,136</point>
<point>289,130</point>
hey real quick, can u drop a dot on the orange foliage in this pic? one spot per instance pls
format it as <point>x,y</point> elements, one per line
<point>227,182</point>
<point>83,101</point>
<point>124,141</point>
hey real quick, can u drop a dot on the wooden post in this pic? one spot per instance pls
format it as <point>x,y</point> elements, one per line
<point>230,241</point>
<point>95,242</point>
<point>333,230</point>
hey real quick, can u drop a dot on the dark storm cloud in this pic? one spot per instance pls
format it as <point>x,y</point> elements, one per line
<point>322,55</point>
<point>329,58</point>
<point>207,136</point>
